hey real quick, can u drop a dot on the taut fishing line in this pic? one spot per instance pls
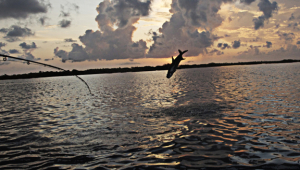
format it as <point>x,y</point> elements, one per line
<point>47,65</point>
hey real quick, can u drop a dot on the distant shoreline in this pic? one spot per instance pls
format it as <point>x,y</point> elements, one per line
<point>133,69</point>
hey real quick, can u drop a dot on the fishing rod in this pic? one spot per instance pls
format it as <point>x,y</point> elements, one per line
<point>47,65</point>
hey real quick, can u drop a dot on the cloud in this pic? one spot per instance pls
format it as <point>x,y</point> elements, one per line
<point>215,51</point>
<point>20,9</point>
<point>28,46</point>
<point>61,54</point>
<point>292,17</point>
<point>130,63</point>
<point>42,20</point>
<point>64,14</point>
<point>182,31</point>
<point>290,52</point>
<point>2,44</point>
<point>288,37</point>
<point>248,2</point>
<point>15,32</point>
<point>14,51</point>
<point>236,44</point>
<point>122,12</point>
<point>71,7</point>
<point>298,42</point>
<point>3,52</point>
<point>269,44</point>
<point>294,25</point>
<point>225,45</point>
<point>76,55</point>
<point>268,9</point>
<point>47,59</point>
<point>259,22</point>
<point>114,39</point>
<point>64,23</point>
<point>29,56</point>
<point>69,40</point>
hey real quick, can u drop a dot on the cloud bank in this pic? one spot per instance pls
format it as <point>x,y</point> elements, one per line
<point>20,9</point>
<point>190,27</point>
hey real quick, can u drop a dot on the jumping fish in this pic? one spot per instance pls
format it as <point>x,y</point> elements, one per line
<point>175,63</point>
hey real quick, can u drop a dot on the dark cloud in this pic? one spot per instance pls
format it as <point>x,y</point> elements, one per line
<point>2,44</point>
<point>4,30</point>
<point>64,14</point>
<point>298,42</point>
<point>15,32</point>
<point>257,39</point>
<point>77,54</point>
<point>29,56</point>
<point>216,52</point>
<point>69,40</point>
<point>13,51</point>
<point>247,1</point>
<point>121,12</point>
<point>292,17</point>
<point>225,45</point>
<point>28,46</point>
<point>20,9</point>
<point>4,52</point>
<point>47,59</point>
<point>288,37</point>
<point>236,44</point>
<point>268,9</point>
<point>259,22</point>
<point>70,8</point>
<point>61,54</point>
<point>294,25</point>
<point>269,44</point>
<point>64,23</point>
<point>42,20</point>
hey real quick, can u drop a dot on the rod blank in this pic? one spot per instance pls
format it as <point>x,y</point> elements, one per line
<point>47,65</point>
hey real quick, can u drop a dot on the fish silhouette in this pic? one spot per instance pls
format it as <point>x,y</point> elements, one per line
<point>175,63</point>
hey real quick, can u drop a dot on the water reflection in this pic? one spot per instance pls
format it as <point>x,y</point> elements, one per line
<point>245,116</point>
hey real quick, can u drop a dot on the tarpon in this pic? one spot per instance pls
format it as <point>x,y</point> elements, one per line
<point>175,63</point>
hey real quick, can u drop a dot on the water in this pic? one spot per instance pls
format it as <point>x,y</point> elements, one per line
<point>212,118</point>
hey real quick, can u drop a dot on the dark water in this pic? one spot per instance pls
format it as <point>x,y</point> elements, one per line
<point>212,118</point>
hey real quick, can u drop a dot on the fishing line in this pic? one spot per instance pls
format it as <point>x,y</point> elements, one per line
<point>46,65</point>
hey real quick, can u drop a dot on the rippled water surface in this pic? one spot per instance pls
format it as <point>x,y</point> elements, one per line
<point>212,118</point>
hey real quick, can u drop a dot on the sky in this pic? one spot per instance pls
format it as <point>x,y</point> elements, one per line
<point>128,33</point>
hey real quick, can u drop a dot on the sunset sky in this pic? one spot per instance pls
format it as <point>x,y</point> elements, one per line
<point>124,33</point>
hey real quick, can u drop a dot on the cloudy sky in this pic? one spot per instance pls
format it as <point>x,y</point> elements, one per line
<point>124,33</point>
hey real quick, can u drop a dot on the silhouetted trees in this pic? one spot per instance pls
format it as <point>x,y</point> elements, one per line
<point>132,69</point>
